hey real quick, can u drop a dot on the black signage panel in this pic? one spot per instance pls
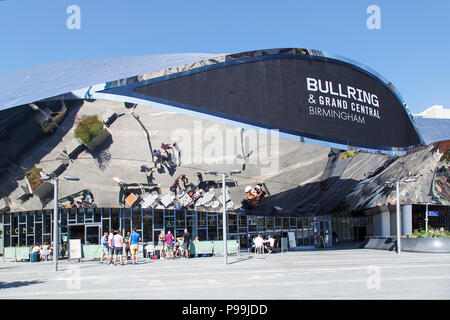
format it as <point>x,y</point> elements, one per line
<point>309,97</point>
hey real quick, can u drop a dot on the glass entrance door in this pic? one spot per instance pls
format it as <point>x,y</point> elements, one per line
<point>322,232</point>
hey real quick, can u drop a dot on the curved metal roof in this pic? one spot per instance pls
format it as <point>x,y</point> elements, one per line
<point>44,81</point>
<point>432,129</point>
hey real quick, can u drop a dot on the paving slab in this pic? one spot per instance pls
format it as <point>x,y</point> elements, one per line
<point>301,275</point>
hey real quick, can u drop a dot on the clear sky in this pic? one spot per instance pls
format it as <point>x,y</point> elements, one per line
<point>412,48</point>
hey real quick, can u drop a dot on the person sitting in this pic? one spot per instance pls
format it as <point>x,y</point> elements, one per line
<point>271,247</point>
<point>44,253</point>
<point>259,244</point>
<point>35,249</point>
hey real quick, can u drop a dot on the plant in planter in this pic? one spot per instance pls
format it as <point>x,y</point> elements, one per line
<point>33,177</point>
<point>432,233</point>
<point>91,132</point>
<point>35,185</point>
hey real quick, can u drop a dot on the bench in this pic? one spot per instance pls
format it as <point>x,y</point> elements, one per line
<point>201,247</point>
<point>91,251</point>
<point>232,247</point>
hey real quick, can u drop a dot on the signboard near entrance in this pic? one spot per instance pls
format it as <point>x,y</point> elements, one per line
<point>433,213</point>
<point>292,243</point>
<point>75,249</point>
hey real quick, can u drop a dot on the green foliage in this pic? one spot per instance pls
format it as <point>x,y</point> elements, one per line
<point>33,177</point>
<point>432,233</point>
<point>347,154</point>
<point>88,128</point>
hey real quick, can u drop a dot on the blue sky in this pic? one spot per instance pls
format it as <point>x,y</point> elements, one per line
<point>411,49</point>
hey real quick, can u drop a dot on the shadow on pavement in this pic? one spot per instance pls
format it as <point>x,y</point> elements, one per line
<point>17,284</point>
<point>241,259</point>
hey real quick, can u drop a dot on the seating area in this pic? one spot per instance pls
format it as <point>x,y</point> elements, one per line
<point>94,252</point>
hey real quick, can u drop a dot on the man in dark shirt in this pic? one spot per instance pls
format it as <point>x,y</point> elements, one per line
<point>186,242</point>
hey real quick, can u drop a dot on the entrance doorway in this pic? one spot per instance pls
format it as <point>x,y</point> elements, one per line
<point>88,234</point>
<point>321,226</point>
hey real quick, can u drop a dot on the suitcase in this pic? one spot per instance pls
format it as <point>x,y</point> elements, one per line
<point>34,257</point>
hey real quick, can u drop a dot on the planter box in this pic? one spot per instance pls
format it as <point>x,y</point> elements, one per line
<point>42,190</point>
<point>437,245</point>
<point>98,140</point>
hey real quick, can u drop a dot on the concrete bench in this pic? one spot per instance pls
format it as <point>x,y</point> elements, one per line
<point>91,251</point>
<point>232,247</point>
<point>201,247</point>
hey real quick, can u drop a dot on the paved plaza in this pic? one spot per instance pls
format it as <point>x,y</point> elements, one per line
<point>315,274</point>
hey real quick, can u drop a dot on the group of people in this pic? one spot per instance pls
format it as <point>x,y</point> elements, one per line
<point>113,245</point>
<point>253,196</point>
<point>44,251</point>
<point>259,245</point>
<point>182,185</point>
<point>166,158</point>
<point>169,247</point>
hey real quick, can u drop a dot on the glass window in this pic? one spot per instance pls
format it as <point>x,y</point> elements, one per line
<point>232,223</point>
<point>115,218</point>
<point>285,223</point>
<point>30,223</point>
<point>252,221</point>
<point>220,220</point>
<point>269,222</point>
<point>292,223</point>
<point>147,212</point>
<point>147,233</point>
<point>261,224</point>
<point>212,233</point>
<point>63,217</point>
<point>201,219</point>
<point>278,223</point>
<point>169,224</point>
<point>158,219</point>
<point>72,214</point>
<point>22,235</point>
<point>212,221</point>
<point>38,233</point>
<point>48,239</point>
<point>89,215</point>
<point>22,217</point>
<point>97,215</point>
<point>126,212</point>
<point>126,226</point>
<point>6,218</point>
<point>80,215</point>
<point>242,221</point>
<point>105,225</point>
<point>136,222</point>
<point>201,234</point>
<point>47,221</point>
<point>180,219</point>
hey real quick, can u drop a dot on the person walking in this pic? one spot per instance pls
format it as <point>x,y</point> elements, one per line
<point>118,247</point>
<point>135,237</point>
<point>105,248</point>
<point>169,245</point>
